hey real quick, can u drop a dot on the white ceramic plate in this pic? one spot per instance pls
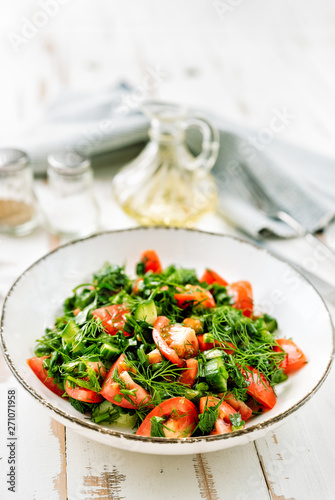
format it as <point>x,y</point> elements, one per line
<point>37,296</point>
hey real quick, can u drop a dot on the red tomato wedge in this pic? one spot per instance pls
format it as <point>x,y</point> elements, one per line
<point>295,358</point>
<point>228,347</point>
<point>98,367</point>
<point>224,411</point>
<point>189,375</point>
<point>120,365</point>
<point>211,276</point>
<point>155,357</point>
<point>260,389</point>
<point>221,427</point>
<point>243,297</point>
<point>36,364</point>
<point>76,311</point>
<point>176,342</point>
<point>195,295</point>
<point>113,318</point>
<point>194,323</point>
<point>110,388</point>
<point>140,397</point>
<point>222,424</point>
<point>207,401</point>
<point>181,418</point>
<point>151,261</point>
<point>83,394</point>
<point>239,406</point>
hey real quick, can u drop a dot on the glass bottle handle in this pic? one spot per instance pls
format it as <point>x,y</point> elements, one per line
<point>210,143</point>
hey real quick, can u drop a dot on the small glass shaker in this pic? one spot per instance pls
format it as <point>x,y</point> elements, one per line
<point>18,204</point>
<point>71,210</point>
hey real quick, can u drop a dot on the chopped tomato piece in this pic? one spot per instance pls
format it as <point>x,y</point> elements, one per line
<point>176,342</point>
<point>181,418</point>
<point>194,323</point>
<point>155,357</point>
<point>222,423</point>
<point>228,347</point>
<point>243,297</point>
<point>224,411</point>
<point>211,276</point>
<point>239,406</point>
<point>120,365</point>
<point>111,391</point>
<point>83,394</point>
<point>113,318</point>
<point>295,358</point>
<point>139,397</point>
<point>195,295</point>
<point>110,388</point>
<point>207,401</point>
<point>76,311</point>
<point>259,388</point>
<point>36,364</point>
<point>189,375</point>
<point>221,427</point>
<point>98,367</point>
<point>253,405</point>
<point>151,261</point>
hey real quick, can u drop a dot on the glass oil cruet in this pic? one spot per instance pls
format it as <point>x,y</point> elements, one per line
<point>166,184</point>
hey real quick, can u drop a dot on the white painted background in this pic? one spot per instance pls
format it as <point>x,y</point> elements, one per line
<point>256,56</point>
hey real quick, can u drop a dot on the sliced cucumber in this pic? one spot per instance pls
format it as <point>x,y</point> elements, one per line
<point>213,353</point>
<point>70,331</point>
<point>146,311</point>
<point>111,414</point>
<point>109,351</point>
<point>208,338</point>
<point>270,323</point>
<point>69,336</point>
<point>216,374</point>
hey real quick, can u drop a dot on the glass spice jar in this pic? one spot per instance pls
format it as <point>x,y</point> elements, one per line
<point>71,210</point>
<point>18,204</point>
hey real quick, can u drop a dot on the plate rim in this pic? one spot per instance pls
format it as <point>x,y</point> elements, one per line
<point>156,440</point>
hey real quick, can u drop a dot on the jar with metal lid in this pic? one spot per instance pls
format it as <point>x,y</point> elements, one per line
<point>18,204</point>
<point>71,210</point>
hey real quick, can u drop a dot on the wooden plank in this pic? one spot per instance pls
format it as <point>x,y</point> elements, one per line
<point>96,471</point>
<point>41,462</point>
<point>299,457</point>
<point>40,446</point>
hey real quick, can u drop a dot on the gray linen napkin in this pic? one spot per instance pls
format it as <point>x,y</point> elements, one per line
<point>104,123</point>
<point>291,194</point>
<point>92,124</point>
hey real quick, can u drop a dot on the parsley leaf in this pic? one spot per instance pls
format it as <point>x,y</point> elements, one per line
<point>236,421</point>
<point>278,376</point>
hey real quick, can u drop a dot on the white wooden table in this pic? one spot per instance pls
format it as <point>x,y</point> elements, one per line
<point>254,57</point>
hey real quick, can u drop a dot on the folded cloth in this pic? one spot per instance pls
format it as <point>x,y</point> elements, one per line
<point>92,124</point>
<point>105,123</point>
<point>293,195</point>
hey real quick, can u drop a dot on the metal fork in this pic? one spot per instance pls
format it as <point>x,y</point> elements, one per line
<point>271,209</point>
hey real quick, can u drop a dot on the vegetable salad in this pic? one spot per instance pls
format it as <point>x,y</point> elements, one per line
<point>168,354</point>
